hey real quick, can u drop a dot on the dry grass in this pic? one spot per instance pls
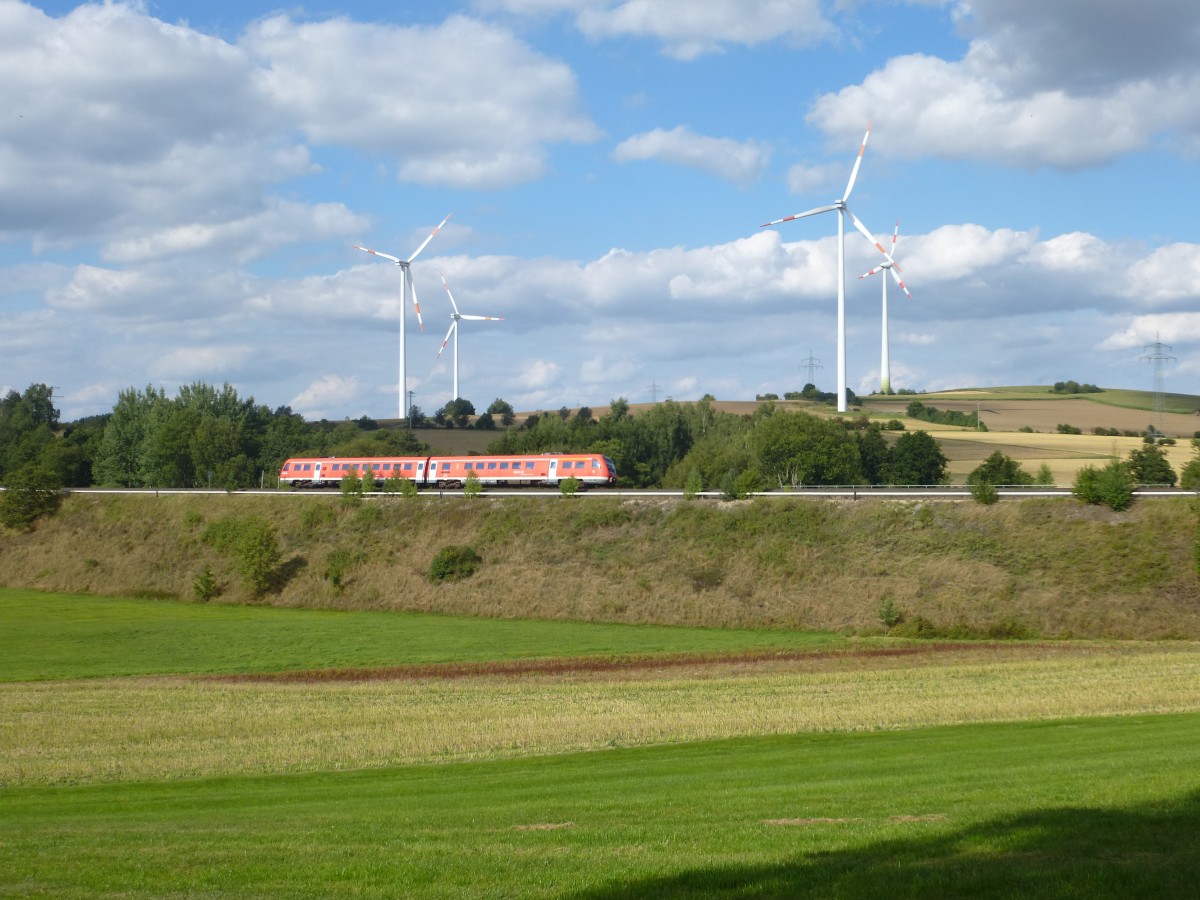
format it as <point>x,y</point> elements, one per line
<point>1057,567</point>
<point>157,728</point>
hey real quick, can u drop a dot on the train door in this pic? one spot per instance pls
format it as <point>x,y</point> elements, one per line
<point>553,477</point>
<point>317,475</point>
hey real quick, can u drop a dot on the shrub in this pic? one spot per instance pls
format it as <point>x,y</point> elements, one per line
<point>1044,477</point>
<point>254,546</point>
<point>1068,429</point>
<point>338,564</point>
<point>985,492</point>
<point>257,555</point>
<point>569,487</point>
<point>890,614</point>
<point>472,487</point>
<point>693,485</point>
<point>454,563</point>
<point>29,493</point>
<point>408,487</point>
<point>205,587</point>
<point>352,488</point>
<point>1113,485</point>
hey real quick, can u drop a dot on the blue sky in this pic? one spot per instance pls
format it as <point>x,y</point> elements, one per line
<point>182,186</point>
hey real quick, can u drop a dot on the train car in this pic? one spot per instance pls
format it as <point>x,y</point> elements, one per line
<point>543,470</point>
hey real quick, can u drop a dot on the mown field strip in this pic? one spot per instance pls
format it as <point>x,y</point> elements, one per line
<point>157,728</point>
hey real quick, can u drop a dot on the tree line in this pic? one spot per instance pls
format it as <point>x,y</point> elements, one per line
<point>208,436</point>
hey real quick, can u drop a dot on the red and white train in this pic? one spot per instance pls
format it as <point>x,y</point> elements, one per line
<point>544,470</point>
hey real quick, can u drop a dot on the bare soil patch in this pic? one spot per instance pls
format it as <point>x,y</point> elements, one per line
<point>601,665</point>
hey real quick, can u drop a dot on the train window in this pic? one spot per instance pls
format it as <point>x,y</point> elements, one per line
<point>491,465</point>
<point>387,465</point>
<point>307,466</point>
<point>504,465</point>
<point>408,467</point>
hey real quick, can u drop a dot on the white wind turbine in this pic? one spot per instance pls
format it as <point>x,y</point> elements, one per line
<point>885,370</point>
<point>455,318</point>
<point>406,287</point>
<point>842,211</point>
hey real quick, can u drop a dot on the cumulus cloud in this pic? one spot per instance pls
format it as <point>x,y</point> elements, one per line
<point>327,392</point>
<point>1142,330</point>
<point>1168,275</point>
<point>437,109</point>
<point>1066,85</point>
<point>177,153</point>
<point>738,161</point>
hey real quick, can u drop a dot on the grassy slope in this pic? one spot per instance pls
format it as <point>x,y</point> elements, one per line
<point>1055,566</point>
<point>1086,808</point>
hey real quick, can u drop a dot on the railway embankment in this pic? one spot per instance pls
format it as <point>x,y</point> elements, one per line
<point>1028,568</point>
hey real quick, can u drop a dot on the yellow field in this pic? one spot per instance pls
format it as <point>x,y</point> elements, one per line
<point>164,728</point>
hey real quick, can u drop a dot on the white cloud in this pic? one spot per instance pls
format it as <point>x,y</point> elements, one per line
<point>1068,85</point>
<point>1168,274</point>
<point>327,392</point>
<point>437,108</point>
<point>689,29</point>
<point>1144,330</point>
<point>685,28</point>
<point>738,161</point>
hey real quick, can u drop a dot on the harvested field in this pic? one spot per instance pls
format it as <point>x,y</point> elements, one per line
<point>135,729</point>
<point>1046,415</point>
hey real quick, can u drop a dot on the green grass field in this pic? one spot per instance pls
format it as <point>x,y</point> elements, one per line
<point>1079,808</point>
<point>958,770</point>
<point>53,636</point>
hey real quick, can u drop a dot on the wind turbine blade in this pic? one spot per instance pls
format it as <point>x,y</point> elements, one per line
<point>900,282</point>
<point>857,162</point>
<point>394,259</point>
<point>428,239</point>
<point>483,318</point>
<point>453,305</point>
<point>446,340</point>
<point>896,234</point>
<point>811,212</point>
<point>870,237</point>
<point>412,286</point>
<point>872,272</point>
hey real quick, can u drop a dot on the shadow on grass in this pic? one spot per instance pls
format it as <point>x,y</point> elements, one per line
<point>1151,851</point>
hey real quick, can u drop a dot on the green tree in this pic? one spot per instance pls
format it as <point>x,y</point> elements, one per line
<point>999,469</point>
<point>1149,465</point>
<point>1044,476</point>
<point>873,454</point>
<point>917,459</point>
<point>459,412</point>
<point>792,448</point>
<point>28,422</point>
<point>29,493</point>
<point>502,409</point>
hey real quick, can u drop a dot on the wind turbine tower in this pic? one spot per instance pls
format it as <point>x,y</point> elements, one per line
<point>885,363</point>
<point>455,318</point>
<point>406,288</point>
<point>842,211</point>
